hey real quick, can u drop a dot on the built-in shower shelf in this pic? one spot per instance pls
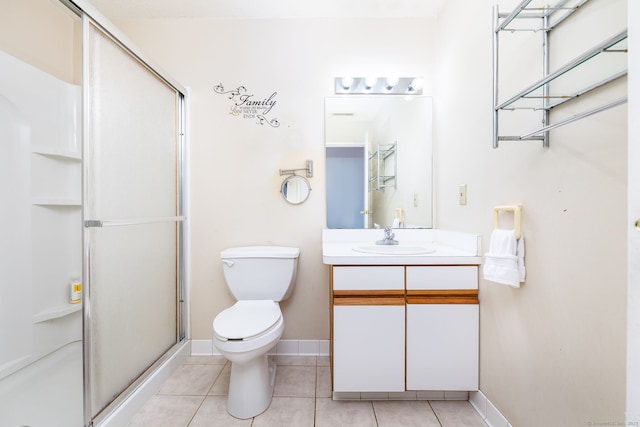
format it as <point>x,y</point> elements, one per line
<point>56,313</point>
<point>38,201</point>
<point>56,152</point>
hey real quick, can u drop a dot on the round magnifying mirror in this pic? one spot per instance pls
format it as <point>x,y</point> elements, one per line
<point>295,189</point>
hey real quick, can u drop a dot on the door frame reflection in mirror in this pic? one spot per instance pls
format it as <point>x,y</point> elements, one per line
<point>366,121</point>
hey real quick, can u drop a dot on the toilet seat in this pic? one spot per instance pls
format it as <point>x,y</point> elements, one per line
<point>246,320</point>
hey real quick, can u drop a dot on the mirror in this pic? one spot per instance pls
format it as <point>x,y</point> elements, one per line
<point>295,189</point>
<point>378,161</point>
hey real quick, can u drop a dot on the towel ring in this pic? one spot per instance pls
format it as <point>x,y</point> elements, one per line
<point>517,217</point>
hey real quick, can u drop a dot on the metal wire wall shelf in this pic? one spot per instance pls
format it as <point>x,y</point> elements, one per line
<point>537,96</point>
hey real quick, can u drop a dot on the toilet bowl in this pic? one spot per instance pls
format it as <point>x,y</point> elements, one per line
<point>244,337</point>
<point>245,332</point>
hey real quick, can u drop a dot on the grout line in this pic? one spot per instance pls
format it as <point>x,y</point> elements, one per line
<point>435,413</point>
<point>375,415</point>
<point>196,411</point>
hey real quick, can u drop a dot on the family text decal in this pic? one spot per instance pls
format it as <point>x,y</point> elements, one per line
<point>247,106</point>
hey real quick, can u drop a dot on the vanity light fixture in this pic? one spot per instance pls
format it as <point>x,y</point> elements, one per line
<point>379,85</point>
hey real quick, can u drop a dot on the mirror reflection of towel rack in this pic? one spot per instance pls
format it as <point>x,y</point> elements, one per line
<point>517,217</point>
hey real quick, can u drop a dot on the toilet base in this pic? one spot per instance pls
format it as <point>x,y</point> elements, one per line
<point>251,387</point>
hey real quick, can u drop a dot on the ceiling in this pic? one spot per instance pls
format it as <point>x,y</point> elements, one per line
<point>266,9</point>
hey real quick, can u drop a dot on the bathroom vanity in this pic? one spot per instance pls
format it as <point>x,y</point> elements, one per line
<point>404,320</point>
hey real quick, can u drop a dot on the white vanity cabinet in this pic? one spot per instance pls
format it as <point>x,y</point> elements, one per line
<point>368,329</point>
<point>400,328</point>
<point>442,327</point>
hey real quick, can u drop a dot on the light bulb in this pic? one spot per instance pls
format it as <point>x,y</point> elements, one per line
<point>392,81</point>
<point>346,82</point>
<point>370,82</point>
<point>416,84</point>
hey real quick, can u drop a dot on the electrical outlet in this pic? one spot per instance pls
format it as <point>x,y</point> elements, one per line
<point>462,194</point>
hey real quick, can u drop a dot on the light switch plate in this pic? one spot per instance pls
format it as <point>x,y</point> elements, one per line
<point>462,194</point>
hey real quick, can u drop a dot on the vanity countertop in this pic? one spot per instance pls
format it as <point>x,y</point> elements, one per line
<point>451,247</point>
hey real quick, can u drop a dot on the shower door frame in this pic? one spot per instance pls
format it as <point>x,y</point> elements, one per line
<point>91,16</point>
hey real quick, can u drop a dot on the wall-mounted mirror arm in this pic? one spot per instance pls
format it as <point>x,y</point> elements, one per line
<point>308,169</point>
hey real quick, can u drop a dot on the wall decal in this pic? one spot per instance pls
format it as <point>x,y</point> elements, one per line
<point>245,105</point>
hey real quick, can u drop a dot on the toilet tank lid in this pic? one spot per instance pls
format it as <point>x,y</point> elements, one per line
<point>260,252</point>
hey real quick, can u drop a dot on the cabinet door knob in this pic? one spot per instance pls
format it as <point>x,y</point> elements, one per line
<point>637,224</point>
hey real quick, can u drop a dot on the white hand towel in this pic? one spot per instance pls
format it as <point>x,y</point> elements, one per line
<point>504,263</point>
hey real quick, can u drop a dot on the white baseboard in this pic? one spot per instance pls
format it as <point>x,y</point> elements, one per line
<point>489,413</point>
<point>202,348</point>
<point>283,348</point>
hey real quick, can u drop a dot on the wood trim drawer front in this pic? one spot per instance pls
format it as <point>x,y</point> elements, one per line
<point>381,297</point>
<point>442,277</point>
<point>451,296</point>
<point>368,278</point>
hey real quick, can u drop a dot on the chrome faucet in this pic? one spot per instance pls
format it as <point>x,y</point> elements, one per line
<point>388,237</point>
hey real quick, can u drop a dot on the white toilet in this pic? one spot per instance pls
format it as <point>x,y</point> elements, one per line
<point>259,277</point>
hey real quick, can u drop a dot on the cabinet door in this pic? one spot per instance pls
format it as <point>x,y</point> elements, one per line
<point>442,346</point>
<point>368,348</point>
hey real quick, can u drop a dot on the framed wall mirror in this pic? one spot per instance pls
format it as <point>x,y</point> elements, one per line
<point>379,161</point>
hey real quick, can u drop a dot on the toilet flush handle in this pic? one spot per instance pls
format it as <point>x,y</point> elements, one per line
<point>228,262</point>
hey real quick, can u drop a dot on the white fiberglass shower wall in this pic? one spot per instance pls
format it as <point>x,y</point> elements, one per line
<point>40,246</point>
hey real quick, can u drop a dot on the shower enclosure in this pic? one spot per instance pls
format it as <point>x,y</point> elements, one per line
<point>92,171</point>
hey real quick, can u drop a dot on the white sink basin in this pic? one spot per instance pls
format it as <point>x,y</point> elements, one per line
<point>395,249</point>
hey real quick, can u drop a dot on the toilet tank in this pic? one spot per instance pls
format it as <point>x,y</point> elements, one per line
<point>260,272</point>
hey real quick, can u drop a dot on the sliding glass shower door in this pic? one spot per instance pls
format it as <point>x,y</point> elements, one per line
<point>132,217</point>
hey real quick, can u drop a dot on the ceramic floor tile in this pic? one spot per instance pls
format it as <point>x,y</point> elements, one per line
<point>167,411</point>
<point>392,413</point>
<point>205,360</point>
<point>221,385</point>
<point>323,381</point>
<point>453,413</point>
<point>332,413</point>
<point>296,360</point>
<point>191,380</point>
<point>295,381</point>
<point>302,397</point>
<point>287,411</point>
<point>213,413</point>
<point>323,361</point>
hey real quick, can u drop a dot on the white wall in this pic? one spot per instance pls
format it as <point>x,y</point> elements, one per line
<point>633,296</point>
<point>553,351</point>
<point>234,162</point>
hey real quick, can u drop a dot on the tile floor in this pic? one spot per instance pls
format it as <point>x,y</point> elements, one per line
<point>195,396</point>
